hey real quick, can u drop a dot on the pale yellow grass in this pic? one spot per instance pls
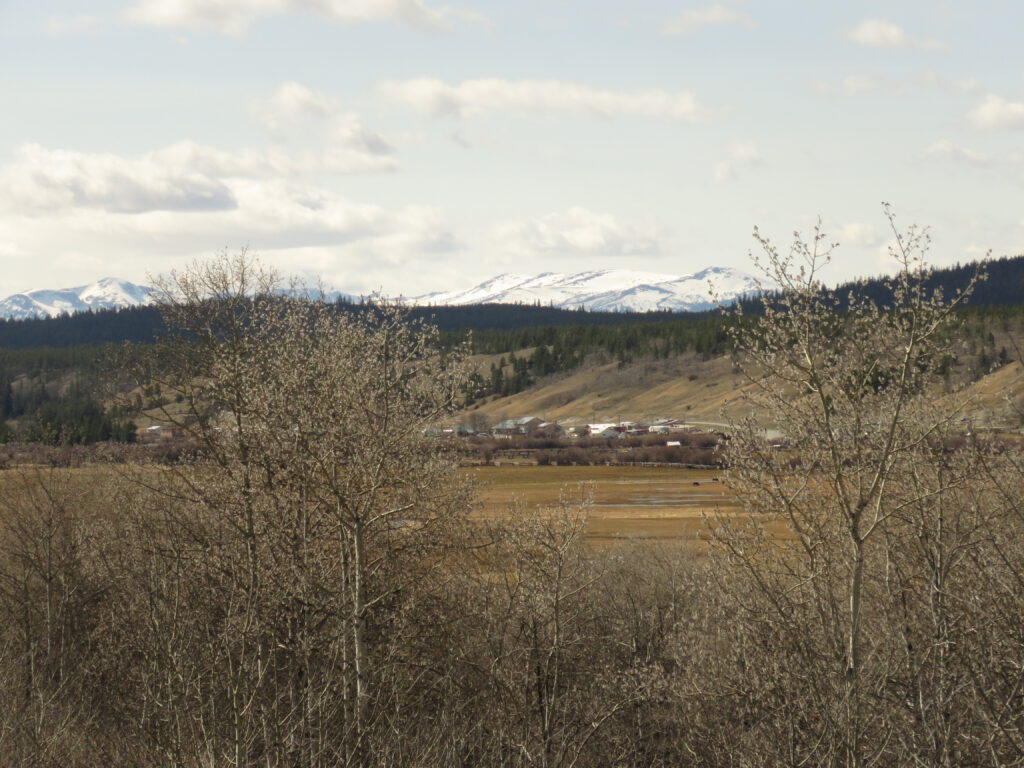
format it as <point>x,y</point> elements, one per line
<point>687,387</point>
<point>655,503</point>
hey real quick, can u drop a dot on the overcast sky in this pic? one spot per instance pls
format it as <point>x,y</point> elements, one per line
<point>416,146</point>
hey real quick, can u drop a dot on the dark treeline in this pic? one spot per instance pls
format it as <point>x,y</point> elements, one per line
<point>108,326</point>
<point>670,336</point>
<point>75,419</point>
<point>144,325</point>
<point>37,360</point>
<point>1004,287</point>
<point>52,396</point>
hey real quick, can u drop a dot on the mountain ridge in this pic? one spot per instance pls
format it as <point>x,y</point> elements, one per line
<point>614,290</point>
<point>647,292</point>
<point>607,290</point>
<point>105,293</point>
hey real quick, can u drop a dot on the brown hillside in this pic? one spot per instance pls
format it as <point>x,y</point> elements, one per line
<point>700,390</point>
<point>687,387</point>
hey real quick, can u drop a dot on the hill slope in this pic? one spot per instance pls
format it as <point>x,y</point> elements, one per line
<point>688,386</point>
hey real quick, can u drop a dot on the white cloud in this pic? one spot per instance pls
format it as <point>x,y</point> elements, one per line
<point>293,106</point>
<point>185,176</point>
<point>855,85</point>
<point>359,244</point>
<point>879,33</point>
<point>946,148</point>
<point>855,233</point>
<point>46,180</point>
<point>995,112</point>
<point>1007,165</point>
<point>475,97</point>
<point>233,17</point>
<point>718,14</point>
<point>275,214</point>
<point>293,100</point>
<point>742,155</point>
<point>272,161</point>
<point>578,231</point>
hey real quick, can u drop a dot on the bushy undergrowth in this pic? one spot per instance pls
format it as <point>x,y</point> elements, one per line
<point>129,630</point>
<point>692,449</point>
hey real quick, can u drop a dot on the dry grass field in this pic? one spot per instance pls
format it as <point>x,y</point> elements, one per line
<point>640,503</point>
<point>627,503</point>
<point>685,387</point>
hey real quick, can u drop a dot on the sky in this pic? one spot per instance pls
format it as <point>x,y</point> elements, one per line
<point>411,146</point>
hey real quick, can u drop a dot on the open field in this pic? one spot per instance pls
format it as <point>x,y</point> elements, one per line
<point>628,503</point>
<point>656,503</point>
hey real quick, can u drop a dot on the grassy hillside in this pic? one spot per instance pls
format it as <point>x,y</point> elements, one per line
<point>557,364</point>
<point>984,357</point>
<point>688,386</point>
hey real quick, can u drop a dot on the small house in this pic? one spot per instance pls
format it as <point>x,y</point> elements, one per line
<point>521,426</point>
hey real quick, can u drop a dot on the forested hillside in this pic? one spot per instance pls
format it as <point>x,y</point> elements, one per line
<point>144,325</point>
<point>45,361</point>
<point>1004,287</point>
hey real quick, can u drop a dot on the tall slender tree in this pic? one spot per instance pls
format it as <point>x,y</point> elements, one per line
<point>852,387</point>
<point>317,506</point>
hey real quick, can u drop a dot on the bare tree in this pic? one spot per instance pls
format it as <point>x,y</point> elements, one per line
<point>316,506</point>
<point>51,600</point>
<point>851,384</point>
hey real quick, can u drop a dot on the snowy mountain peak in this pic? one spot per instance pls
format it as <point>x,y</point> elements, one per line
<point>107,293</point>
<point>616,290</point>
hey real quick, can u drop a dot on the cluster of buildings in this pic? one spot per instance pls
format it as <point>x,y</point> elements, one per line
<point>536,427</point>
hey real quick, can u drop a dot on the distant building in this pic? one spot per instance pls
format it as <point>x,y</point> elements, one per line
<point>549,429</point>
<point>664,426</point>
<point>521,426</point>
<point>155,433</point>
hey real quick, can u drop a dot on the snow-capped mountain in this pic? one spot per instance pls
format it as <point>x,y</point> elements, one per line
<point>108,293</point>
<point>613,290</point>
